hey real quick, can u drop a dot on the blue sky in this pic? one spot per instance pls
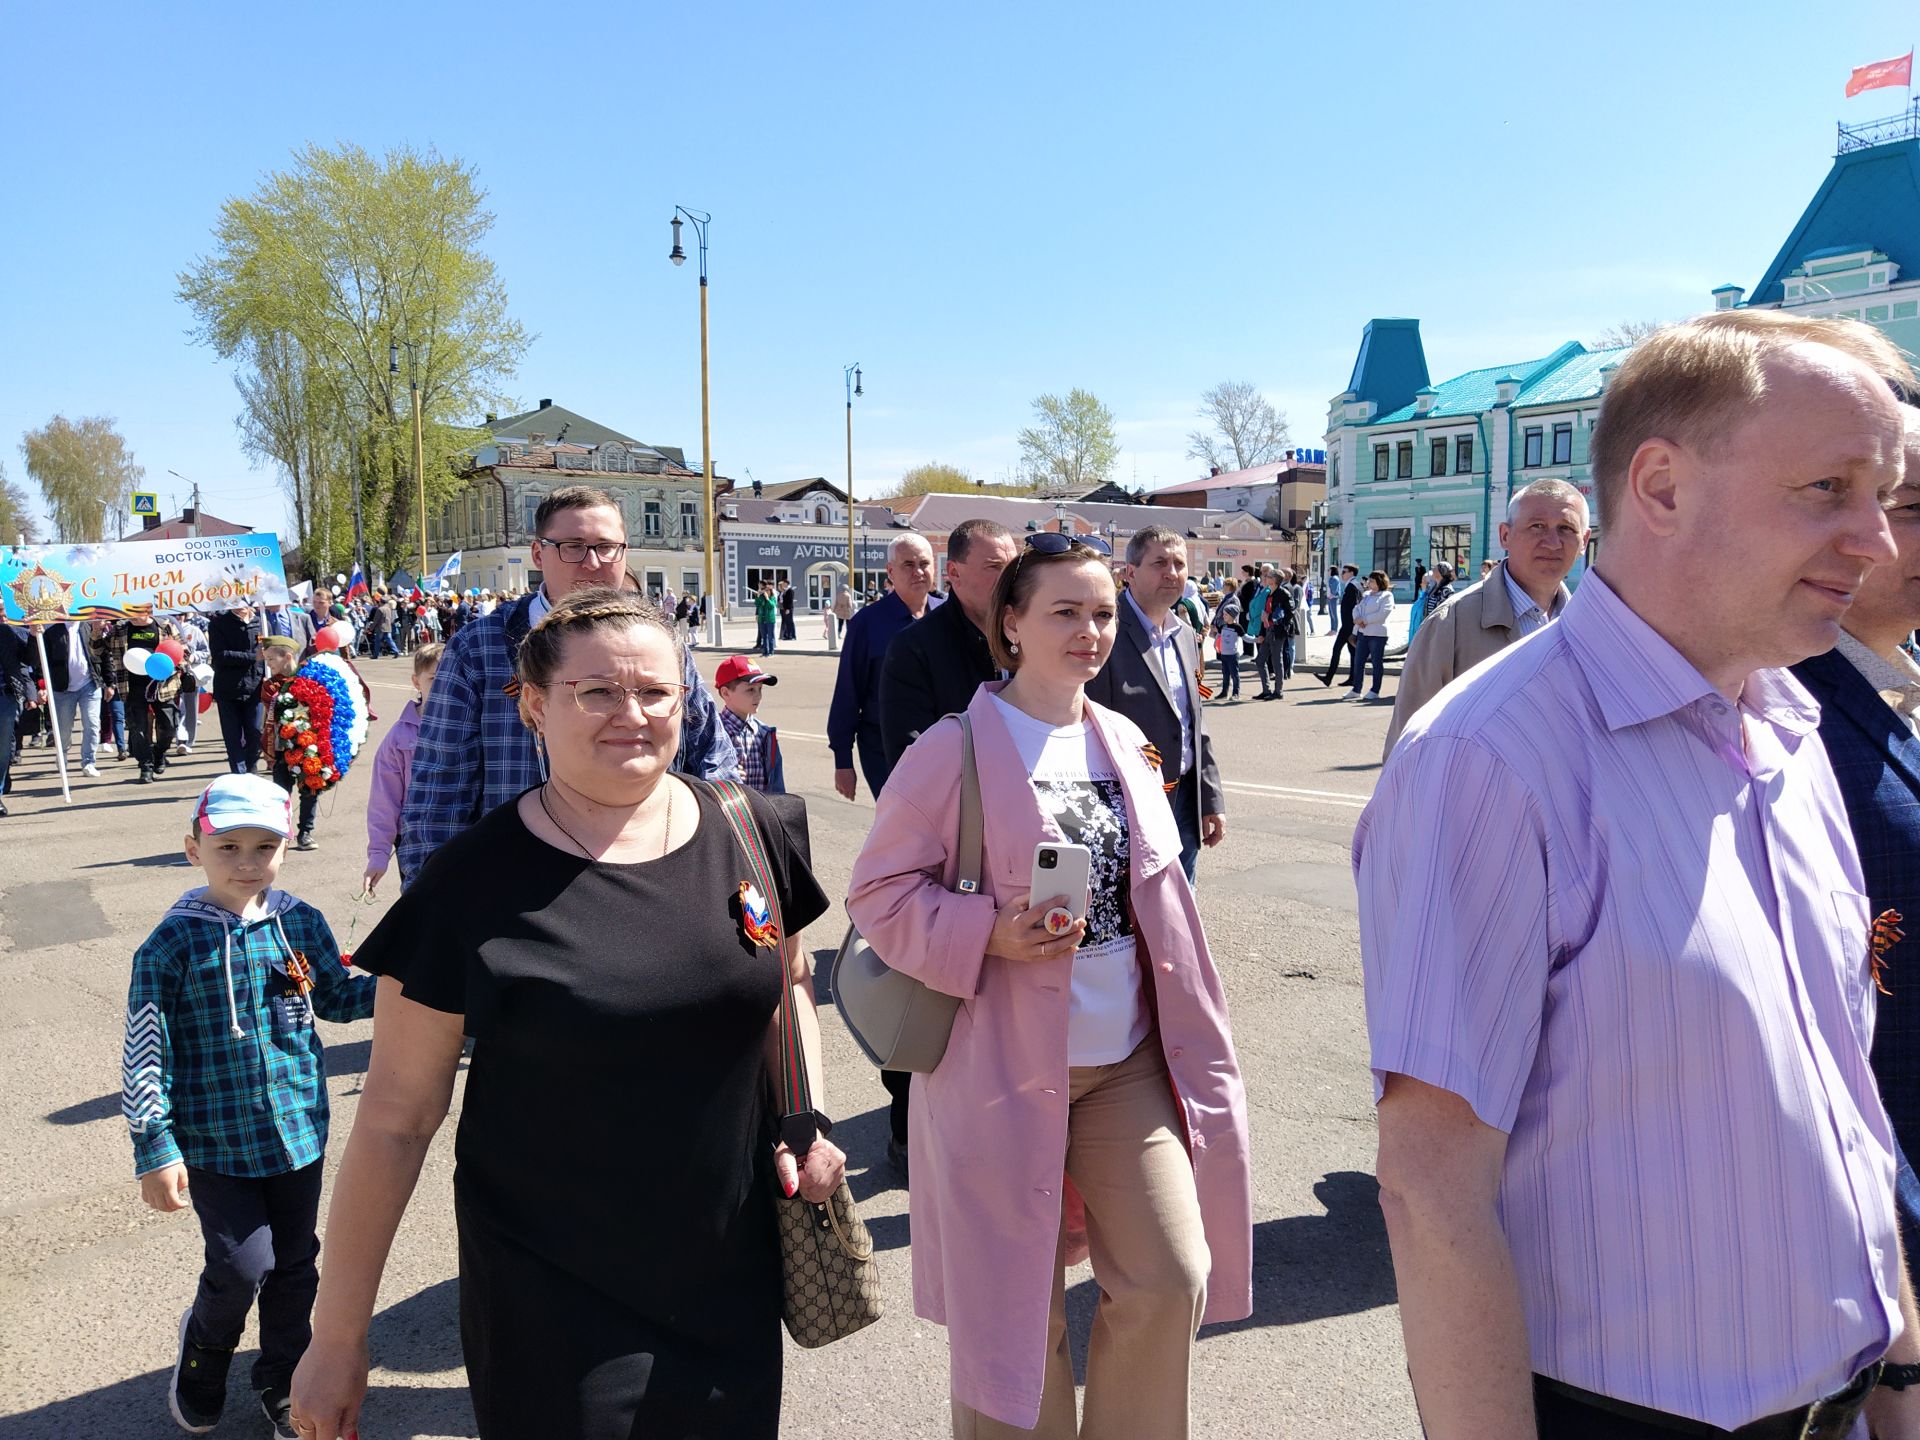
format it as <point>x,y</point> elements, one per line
<point>979,203</point>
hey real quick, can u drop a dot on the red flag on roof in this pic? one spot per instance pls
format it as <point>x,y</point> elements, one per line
<point>1882,73</point>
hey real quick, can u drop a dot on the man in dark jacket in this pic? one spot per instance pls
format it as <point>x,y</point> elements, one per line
<point>1343,638</point>
<point>787,630</point>
<point>935,664</point>
<point>233,640</point>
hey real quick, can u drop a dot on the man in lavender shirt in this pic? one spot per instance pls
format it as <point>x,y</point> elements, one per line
<point>1635,1171</point>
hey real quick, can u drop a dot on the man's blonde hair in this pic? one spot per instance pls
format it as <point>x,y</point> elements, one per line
<point>1691,383</point>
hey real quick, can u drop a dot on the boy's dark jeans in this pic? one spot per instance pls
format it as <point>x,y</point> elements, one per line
<point>260,1240</point>
<point>309,800</point>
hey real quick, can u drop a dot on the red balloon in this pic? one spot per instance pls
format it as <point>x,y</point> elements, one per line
<point>206,702</point>
<point>326,640</point>
<point>173,649</point>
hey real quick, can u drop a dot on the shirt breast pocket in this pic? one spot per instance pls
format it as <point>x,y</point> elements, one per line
<point>292,1015</point>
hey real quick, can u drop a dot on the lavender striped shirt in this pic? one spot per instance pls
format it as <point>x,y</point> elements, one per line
<point>1624,920</point>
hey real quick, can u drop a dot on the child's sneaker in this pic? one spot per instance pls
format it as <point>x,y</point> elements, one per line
<point>198,1392</point>
<point>277,1403</point>
<point>305,841</point>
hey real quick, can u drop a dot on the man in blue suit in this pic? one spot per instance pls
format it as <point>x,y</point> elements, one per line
<point>1869,693</point>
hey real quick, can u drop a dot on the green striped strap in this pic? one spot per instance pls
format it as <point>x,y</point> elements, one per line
<point>796,1094</point>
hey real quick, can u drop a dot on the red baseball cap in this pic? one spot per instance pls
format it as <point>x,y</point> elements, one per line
<point>739,667</point>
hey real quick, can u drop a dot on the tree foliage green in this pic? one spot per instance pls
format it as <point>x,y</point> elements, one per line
<point>1072,442</point>
<point>17,520</point>
<point>309,281</point>
<point>85,473</point>
<point>938,478</point>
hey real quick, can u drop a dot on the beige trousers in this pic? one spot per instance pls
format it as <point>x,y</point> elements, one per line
<point>1127,1156</point>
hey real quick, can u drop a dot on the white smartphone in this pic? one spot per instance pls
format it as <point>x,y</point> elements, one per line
<point>1062,869</point>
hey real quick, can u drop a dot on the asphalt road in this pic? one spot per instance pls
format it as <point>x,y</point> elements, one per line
<point>93,1282</point>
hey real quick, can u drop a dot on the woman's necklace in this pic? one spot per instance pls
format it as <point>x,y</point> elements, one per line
<point>666,838</point>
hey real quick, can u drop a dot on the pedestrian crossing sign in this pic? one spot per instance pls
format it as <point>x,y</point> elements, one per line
<point>146,502</point>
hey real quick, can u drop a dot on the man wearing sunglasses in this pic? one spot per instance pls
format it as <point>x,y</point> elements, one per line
<point>474,753</point>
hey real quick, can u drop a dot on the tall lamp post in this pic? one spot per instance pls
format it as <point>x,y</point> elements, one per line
<point>700,220</point>
<point>419,447</point>
<point>851,374</point>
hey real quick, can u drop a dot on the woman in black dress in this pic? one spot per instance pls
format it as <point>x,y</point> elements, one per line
<point>619,1263</point>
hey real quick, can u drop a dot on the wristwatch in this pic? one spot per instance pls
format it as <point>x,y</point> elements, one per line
<point>1899,1377</point>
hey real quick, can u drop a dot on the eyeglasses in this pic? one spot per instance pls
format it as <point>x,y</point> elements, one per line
<point>574,551</point>
<point>1052,542</point>
<point>603,698</point>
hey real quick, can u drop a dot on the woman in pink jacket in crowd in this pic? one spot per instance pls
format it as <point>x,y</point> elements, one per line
<point>392,765</point>
<point>1091,1068</point>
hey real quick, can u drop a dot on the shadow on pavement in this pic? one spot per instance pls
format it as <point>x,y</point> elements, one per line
<point>164,858</point>
<point>1305,1267</point>
<point>103,1107</point>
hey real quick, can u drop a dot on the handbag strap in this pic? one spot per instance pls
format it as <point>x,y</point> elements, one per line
<point>797,1125</point>
<point>972,816</point>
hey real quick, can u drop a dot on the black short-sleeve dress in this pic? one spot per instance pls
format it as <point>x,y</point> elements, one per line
<point>619,1264</point>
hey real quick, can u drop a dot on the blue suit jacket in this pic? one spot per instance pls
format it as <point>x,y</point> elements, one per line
<point>1877,761</point>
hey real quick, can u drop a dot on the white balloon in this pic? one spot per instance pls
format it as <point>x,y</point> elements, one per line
<point>137,659</point>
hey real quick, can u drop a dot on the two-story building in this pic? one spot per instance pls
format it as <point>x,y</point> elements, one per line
<point>489,522</point>
<point>1284,494</point>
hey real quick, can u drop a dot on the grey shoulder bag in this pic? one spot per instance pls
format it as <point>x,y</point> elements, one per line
<point>901,1023</point>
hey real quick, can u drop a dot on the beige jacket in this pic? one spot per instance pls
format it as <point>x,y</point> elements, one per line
<point>1475,624</point>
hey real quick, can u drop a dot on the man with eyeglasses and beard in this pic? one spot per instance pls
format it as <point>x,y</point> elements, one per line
<point>474,752</point>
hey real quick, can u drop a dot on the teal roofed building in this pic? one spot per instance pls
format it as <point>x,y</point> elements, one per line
<point>1856,249</point>
<point>1423,472</point>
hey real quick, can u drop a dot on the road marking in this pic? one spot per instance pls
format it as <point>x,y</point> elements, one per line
<point>1291,792</point>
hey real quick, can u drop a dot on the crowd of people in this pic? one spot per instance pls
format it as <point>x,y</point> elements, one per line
<point>1631,890</point>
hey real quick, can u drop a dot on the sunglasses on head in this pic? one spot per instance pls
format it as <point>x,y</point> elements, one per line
<point>1052,542</point>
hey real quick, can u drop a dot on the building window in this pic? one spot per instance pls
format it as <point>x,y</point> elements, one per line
<point>652,528</point>
<point>1380,462</point>
<point>1439,464</point>
<point>1393,553</point>
<point>758,575</point>
<point>1530,455</point>
<point>529,507</point>
<point>1404,458</point>
<point>1563,444</point>
<point>689,582</point>
<point>1452,544</point>
<point>1463,455</point>
<point>689,519</point>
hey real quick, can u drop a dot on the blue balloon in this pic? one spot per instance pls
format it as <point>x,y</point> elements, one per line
<point>160,667</point>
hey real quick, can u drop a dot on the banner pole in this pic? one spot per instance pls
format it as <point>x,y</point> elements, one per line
<point>59,740</point>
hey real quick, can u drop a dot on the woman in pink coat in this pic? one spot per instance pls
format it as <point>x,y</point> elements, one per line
<point>1090,1067</point>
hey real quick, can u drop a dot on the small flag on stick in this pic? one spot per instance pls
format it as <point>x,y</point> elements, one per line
<point>1881,74</point>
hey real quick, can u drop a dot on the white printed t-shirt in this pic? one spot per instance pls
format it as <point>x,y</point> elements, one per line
<point>1079,788</point>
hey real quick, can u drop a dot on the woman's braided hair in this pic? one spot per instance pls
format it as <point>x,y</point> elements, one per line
<point>581,613</point>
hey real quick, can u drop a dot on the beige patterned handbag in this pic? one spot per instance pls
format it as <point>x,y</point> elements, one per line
<point>832,1285</point>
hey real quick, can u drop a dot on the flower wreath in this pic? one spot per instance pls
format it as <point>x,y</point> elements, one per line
<point>321,719</point>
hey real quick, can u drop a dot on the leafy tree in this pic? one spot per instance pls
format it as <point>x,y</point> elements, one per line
<point>85,472</point>
<point>16,519</point>
<point>1627,332</point>
<point>310,280</point>
<point>936,478</point>
<point>1246,429</point>
<point>1072,443</point>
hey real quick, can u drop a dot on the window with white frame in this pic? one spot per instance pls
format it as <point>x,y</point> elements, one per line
<point>1563,444</point>
<point>652,526</point>
<point>1532,442</point>
<point>690,519</point>
<point>1403,460</point>
<point>1452,544</point>
<point>1438,464</point>
<point>1380,462</point>
<point>1463,455</point>
<point>1393,552</point>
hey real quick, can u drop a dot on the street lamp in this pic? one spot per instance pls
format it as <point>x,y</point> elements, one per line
<point>419,456</point>
<point>700,220</point>
<point>193,529</point>
<point>851,375</point>
<point>1060,516</point>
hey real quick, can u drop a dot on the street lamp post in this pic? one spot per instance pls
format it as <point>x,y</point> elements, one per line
<point>1060,516</point>
<point>193,529</point>
<point>851,375</point>
<point>700,220</point>
<point>419,448</point>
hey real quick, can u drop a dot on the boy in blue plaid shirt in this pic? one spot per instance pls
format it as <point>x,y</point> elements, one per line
<point>224,1088</point>
<point>740,684</point>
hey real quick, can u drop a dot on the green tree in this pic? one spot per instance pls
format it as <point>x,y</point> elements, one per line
<point>85,472</point>
<point>310,280</point>
<point>1246,430</point>
<point>1072,442</point>
<point>17,520</point>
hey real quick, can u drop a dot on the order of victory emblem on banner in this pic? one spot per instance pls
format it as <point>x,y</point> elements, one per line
<point>41,584</point>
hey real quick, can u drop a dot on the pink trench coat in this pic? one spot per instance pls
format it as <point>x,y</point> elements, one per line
<point>989,1126</point>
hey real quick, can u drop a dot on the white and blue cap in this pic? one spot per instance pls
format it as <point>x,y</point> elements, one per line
<point>243,802</point>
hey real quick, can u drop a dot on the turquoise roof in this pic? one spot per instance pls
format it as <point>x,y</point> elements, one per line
<point>1571,373</point>
<point>1870,199</point>
<point>1391,367</point>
